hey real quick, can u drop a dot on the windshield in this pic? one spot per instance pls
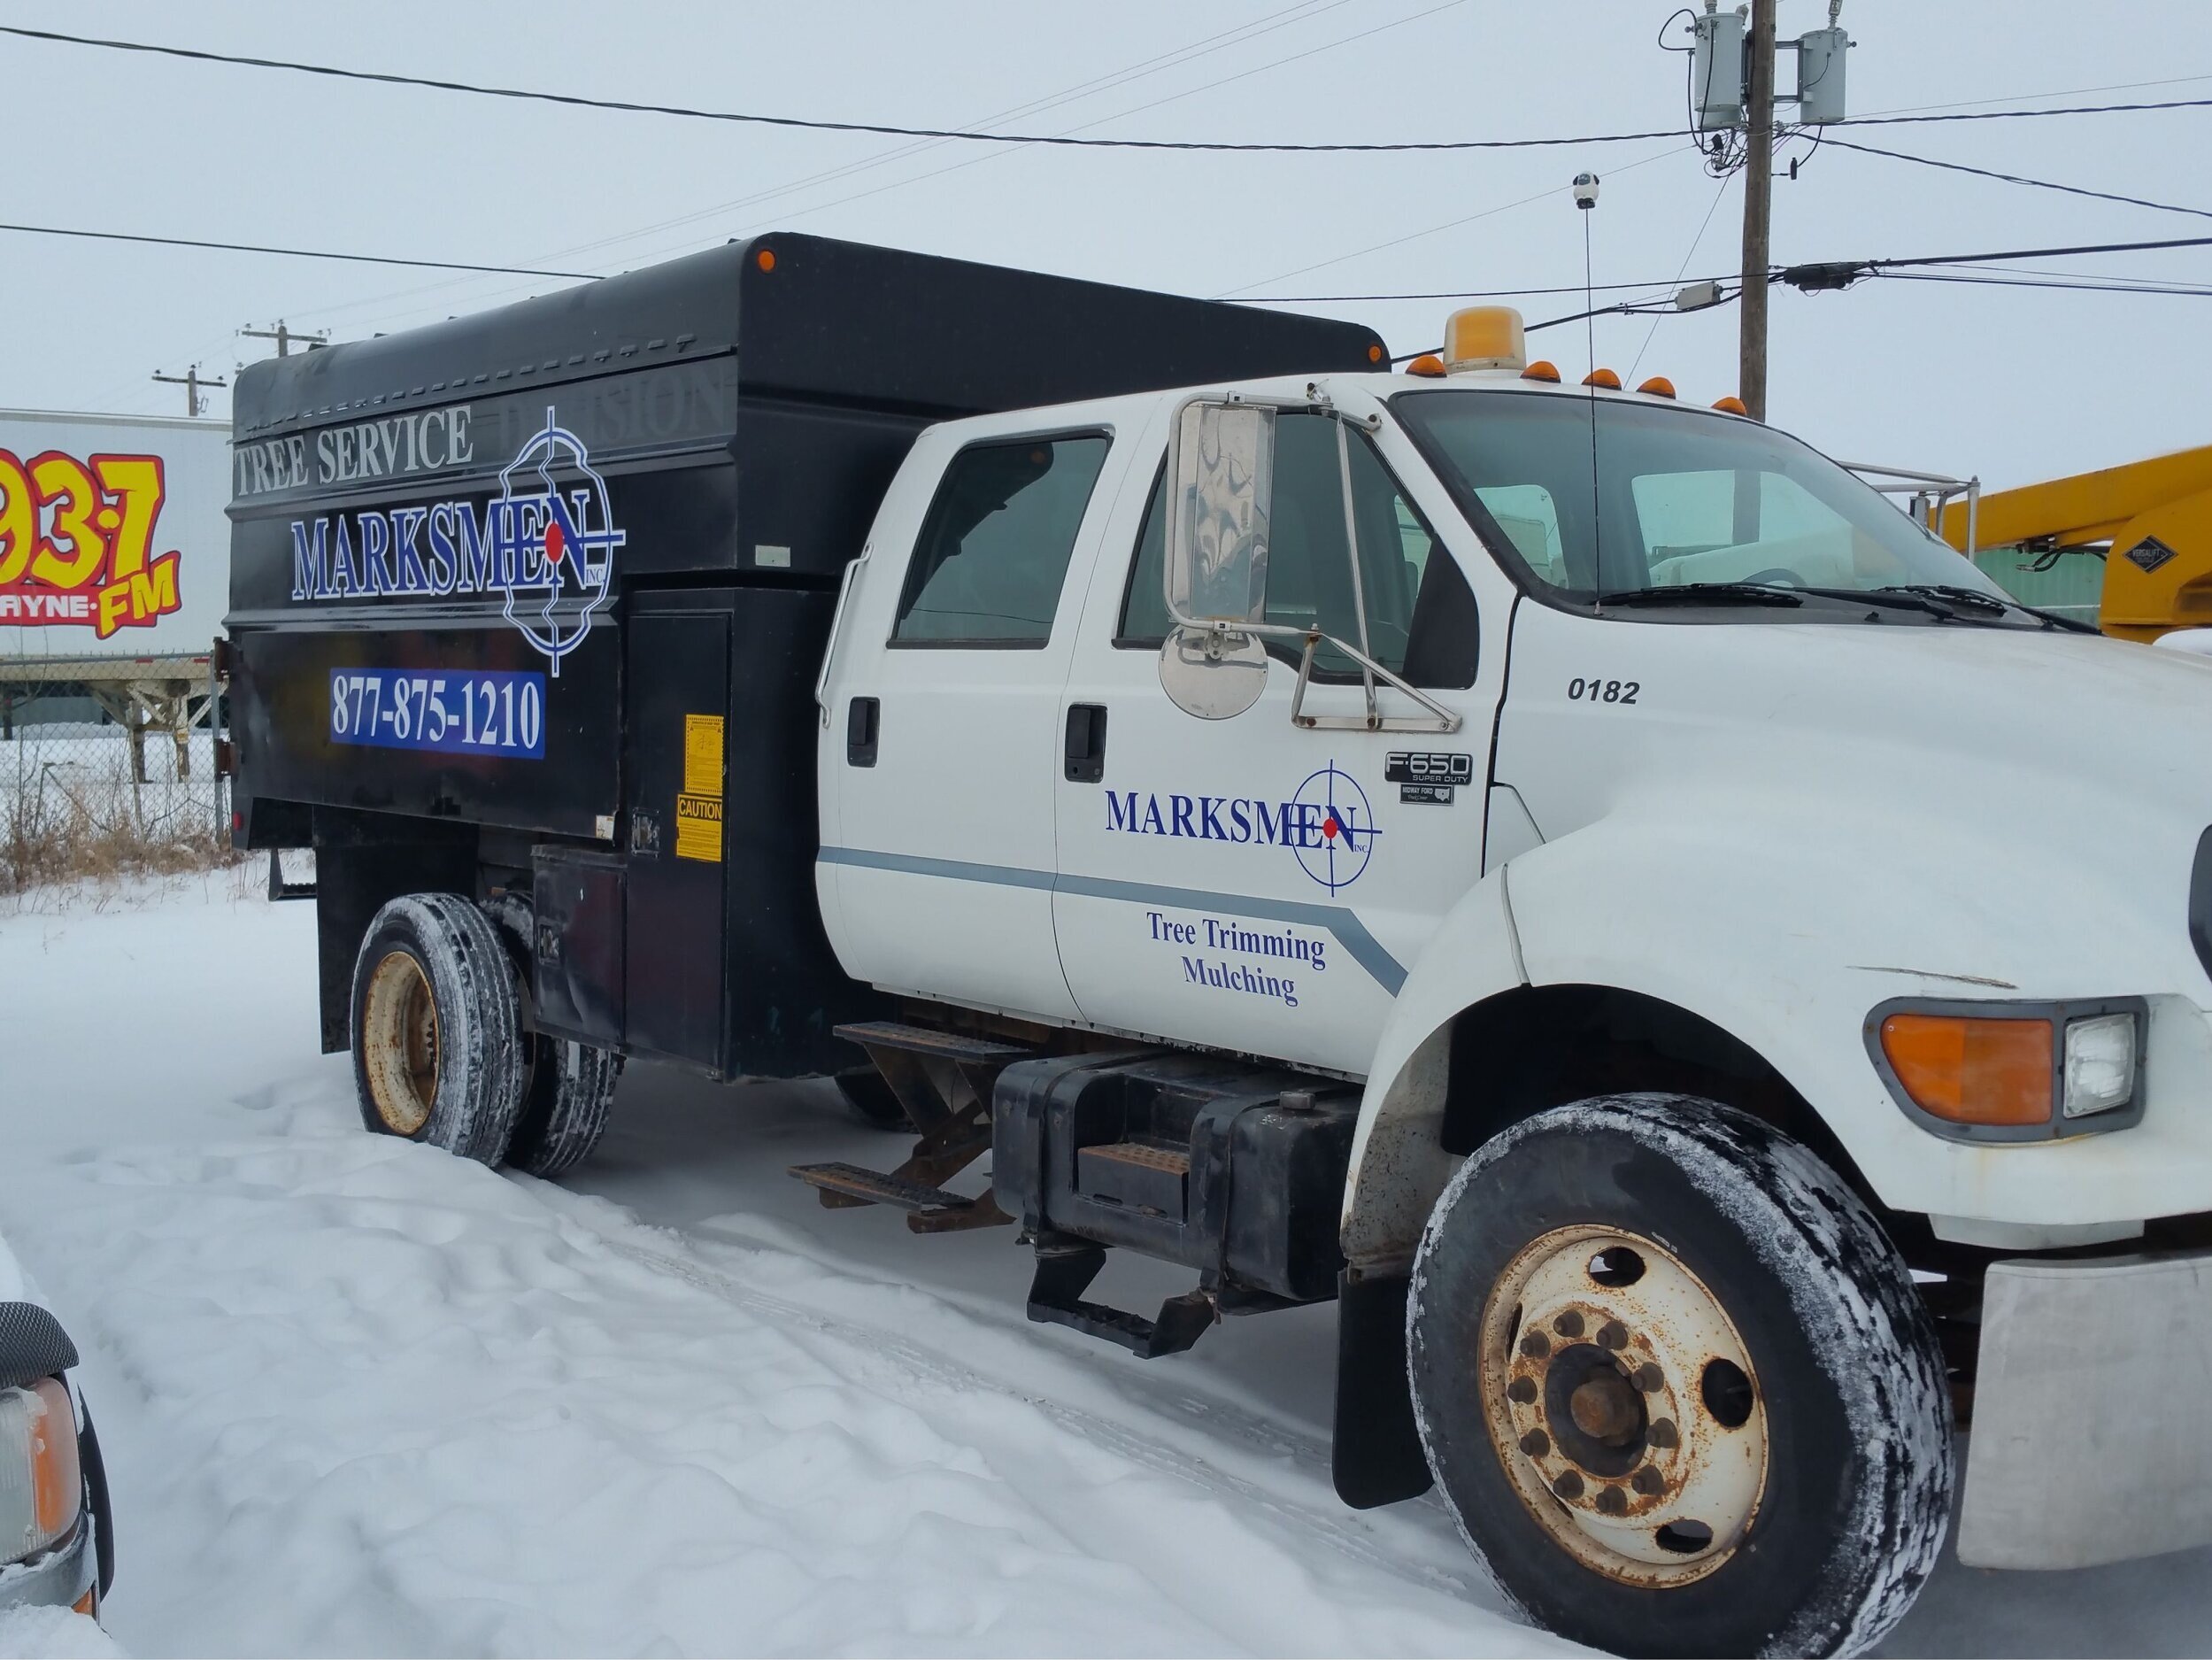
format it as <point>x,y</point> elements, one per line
<point>1679,499</point>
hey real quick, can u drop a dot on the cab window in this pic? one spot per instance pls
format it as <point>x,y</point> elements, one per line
<point>1420,612</point>
<point>994,549</point>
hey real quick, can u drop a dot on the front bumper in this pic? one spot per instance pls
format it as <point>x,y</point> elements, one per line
<point>2086,1445</point>
<point>60,1578</point>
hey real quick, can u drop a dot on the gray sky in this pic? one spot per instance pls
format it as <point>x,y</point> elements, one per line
<point>2014,384</point>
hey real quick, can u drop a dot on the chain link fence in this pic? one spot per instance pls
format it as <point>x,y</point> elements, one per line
<point>108,768</point>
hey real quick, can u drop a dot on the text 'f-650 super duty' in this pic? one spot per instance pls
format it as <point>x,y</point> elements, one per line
<point>1718,995</point>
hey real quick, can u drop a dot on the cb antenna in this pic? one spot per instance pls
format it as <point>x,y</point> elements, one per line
<point>1586,199</point>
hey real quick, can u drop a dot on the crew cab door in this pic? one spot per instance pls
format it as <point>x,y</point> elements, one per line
<point>1244,883</point>
<point>943,698</point>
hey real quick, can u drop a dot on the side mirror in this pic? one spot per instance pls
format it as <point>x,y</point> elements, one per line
<point>1216,573</point>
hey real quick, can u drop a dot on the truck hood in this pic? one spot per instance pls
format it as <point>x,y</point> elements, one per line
<point>2044,787</point>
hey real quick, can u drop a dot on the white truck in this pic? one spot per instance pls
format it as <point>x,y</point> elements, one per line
<point>1719,995</point>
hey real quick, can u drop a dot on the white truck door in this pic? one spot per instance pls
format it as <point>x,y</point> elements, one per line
<point>1244,883</point>
<point>945,702</point>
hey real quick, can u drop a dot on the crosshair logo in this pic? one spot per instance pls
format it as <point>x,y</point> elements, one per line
<point>1335,834</point>
<point>556,538</point>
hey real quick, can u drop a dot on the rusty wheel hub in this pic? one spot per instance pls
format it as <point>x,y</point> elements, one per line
<point>399,1044</point>
<point>1623,1403</point>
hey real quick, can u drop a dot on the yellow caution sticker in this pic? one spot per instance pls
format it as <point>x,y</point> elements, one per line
<point>699,828</point>
<point>703,754</point>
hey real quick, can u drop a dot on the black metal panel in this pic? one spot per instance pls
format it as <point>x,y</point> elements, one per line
<point>679,666</point>
<point>785,990</point>
<point>579,917</point>
<point>286,748</point>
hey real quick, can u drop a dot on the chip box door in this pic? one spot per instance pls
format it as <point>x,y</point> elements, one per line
<point>678,701</point>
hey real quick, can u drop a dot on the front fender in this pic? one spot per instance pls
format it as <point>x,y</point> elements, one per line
<point>1785,925</point>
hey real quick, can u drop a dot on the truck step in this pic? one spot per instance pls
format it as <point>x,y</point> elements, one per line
<point>1148,1175</point>
<point>1064,1273</point>
<point>925,1040</point>
<point>930,1209</point>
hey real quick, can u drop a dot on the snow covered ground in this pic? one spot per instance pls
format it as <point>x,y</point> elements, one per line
<point>359,1397</point>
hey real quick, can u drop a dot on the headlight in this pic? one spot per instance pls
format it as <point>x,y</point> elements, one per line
<point>41,1487</point>
<point>2099,1063</point>
<point>2012,1071</point>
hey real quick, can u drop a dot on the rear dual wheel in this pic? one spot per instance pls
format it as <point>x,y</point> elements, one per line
<point>442,1053</point>
<point>1676,1386</point>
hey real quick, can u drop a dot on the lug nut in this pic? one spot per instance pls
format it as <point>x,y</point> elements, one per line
<point>1648,1377</point>
<point>1521,1390</point>
<point>1568,1485</point>
<point>1535,1346</point>
<point>1648,1482</point>
<point>1536,1443</point>
<point>1569,1324</point>
<point>1662,1432</point>
<point>1613,1334</point>
<point>1613,1502</point>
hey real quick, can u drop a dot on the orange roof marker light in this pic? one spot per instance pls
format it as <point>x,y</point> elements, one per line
<point>1374,351</point>
<point>1658,386</point>
<point>1428,365</point>
<point>1604,379</point>
<point>1485,337</point>
<point>1730,406</point>
<point>765,258</point>
<point>1541,369</point>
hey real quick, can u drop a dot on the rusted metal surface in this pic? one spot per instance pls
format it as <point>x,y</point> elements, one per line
<point>1597,1348</point>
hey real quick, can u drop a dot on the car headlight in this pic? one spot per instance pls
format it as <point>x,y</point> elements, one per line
<point>2012,1071</point>
<point>2100,1052</point>
<point>42,1488</point>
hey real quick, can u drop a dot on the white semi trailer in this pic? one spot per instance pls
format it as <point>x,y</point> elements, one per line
<point>1720,995</point>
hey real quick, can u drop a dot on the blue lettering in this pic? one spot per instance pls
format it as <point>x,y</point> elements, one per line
<point>1240,821</point>
<point>1209,820</point>
<point>1152,825</point>
<point>310,560</point>
<point>344,578</point>
<point>441,571</point>
<point>378,575</point>
<point>1121,809</point>
<point>1179,812</point>
<point>406,526</point>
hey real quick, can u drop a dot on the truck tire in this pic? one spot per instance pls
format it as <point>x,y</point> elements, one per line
<point>564,1106</point>
<point>437,1027</point>
<point>1676,1386</point>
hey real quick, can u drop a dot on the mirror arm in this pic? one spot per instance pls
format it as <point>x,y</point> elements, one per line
<point>1352,551</point>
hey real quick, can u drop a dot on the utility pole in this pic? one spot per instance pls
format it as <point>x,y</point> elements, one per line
<point>284,337</point>
<point>1757,204</point>
<point>191,381</point>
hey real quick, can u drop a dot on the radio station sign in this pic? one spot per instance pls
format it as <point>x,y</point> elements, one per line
<point>111,532</point>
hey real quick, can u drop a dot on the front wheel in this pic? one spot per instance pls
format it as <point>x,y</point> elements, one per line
<point>1677,1384</point>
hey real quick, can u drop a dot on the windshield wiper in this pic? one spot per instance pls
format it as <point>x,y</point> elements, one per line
<point>1704,594</point>
<point>1893,599</point>
<point>1991,602</point>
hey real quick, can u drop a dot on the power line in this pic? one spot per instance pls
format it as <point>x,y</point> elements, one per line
<point>627,106</point>
<point>2086,284</point>
<point>1454,294</point>
<point>2014,178</point>
<point>295,253</point>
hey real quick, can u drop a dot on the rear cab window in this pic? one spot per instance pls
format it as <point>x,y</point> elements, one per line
<point>992,556</point>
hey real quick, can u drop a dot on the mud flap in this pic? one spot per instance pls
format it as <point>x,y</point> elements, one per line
<point>1377,1457</point>
<point>2082,1449</point>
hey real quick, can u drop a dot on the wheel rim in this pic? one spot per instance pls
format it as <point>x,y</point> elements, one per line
<point>1623,1406</point>
<point>399,1044</point>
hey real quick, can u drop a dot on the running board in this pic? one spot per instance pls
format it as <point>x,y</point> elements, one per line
<point>1064,1273</point>
<point>929,1209</point>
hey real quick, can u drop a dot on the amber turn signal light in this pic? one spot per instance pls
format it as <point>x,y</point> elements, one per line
<point>1428,365</point>
<point>1973,1070</point>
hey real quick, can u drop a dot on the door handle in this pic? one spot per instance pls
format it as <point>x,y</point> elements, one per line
<point>861,722</point>
<point>1086,743</point>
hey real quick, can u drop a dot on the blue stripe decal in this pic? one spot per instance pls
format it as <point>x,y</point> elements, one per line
<point>1361,946</point>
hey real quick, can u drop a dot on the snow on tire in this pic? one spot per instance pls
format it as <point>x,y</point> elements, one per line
<point>1676,1386</point>
<point>437,1027</point>
<point>565,1110</point>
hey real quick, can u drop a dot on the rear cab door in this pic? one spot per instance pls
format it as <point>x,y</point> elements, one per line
<point>942,701</point>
